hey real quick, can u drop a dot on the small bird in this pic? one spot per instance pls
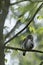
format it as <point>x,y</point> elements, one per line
<point>28,43</point>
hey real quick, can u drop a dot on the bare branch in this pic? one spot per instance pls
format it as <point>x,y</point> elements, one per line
<point>14,27</point>
<point>25,26</point>
<point>19,2</point>
<point>11,31</point>
<point>13,48</point>
<point>23,1</point>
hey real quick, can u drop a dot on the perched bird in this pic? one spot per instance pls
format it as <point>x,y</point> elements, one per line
<point>28,44</point>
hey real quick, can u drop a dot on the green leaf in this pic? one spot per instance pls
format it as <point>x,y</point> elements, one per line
<point>32,29</point>
<point>40,30</point>
<point>40,17</point>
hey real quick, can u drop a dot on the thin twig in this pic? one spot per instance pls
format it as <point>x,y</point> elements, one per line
<point>23,1</point>
<point>25,26</point>
<point>19,2</point>
<point>13,48</point>
<point>14,26</point>
<point>11,31</point>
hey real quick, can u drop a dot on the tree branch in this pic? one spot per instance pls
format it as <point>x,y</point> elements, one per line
<point>19,2</point>
<point>13,48</point>
<point>25,26</point>
<point>14,27</point>
<point>11,31</point>
<point>23,1</point>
